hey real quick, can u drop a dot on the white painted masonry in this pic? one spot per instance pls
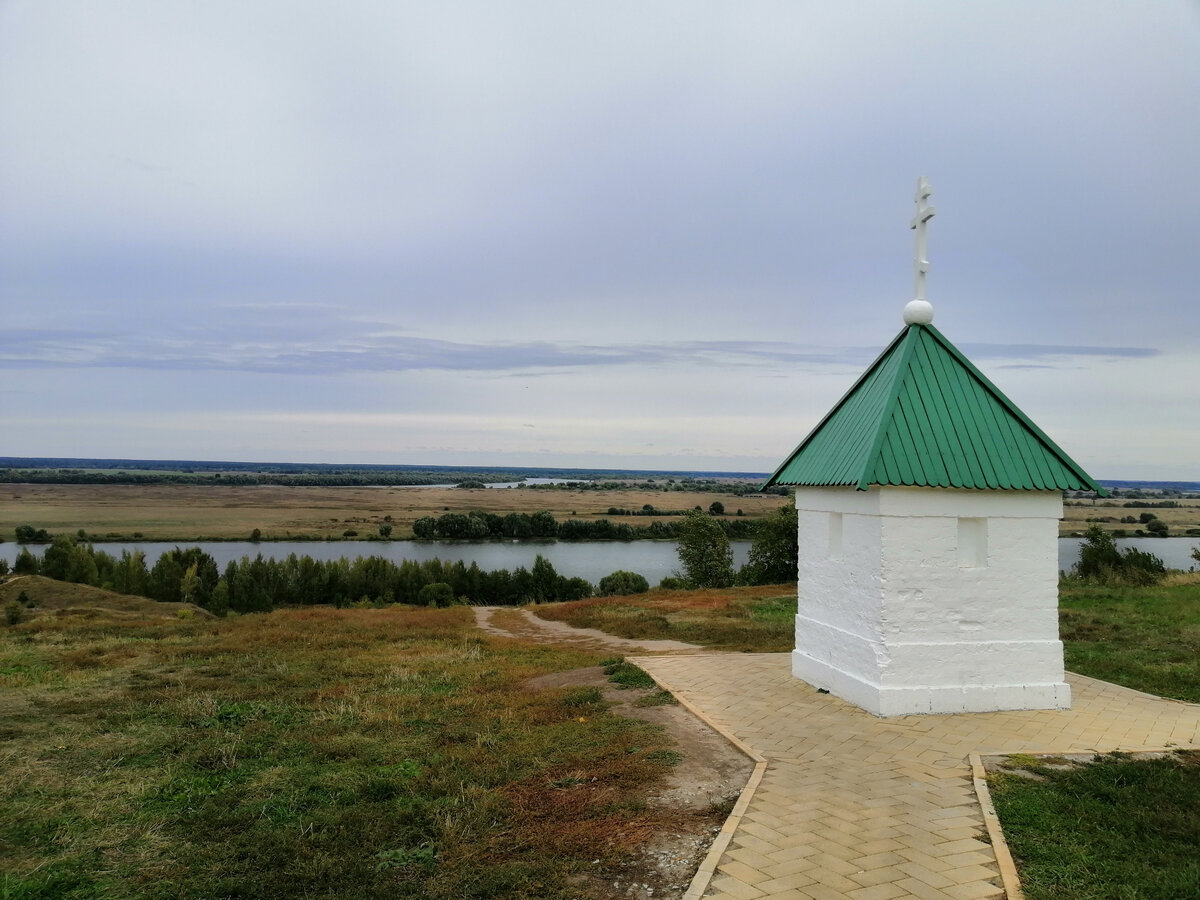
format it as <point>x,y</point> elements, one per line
<point>930,600</point>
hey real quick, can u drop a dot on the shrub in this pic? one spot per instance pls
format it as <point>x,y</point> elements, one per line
<point>27,534</point>
<point>1100,562</point>
<point>622,582</point>
<point>1158,528</point>
<point>437,594</point>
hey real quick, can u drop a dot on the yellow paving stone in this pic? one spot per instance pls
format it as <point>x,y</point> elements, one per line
<point>829,878</point>
<point>976,890</point>
<point>731,887</point>
<point>966,845</point>
<point>740,871</point>
<point>878,860</point>
<point>824,892</point>
<point>929,876</point>
<point>751,858</point>
<point>841,786</point>
<point>788,866</point>
<point>914,887</point>
<point>973,858</point>
<point>834,863</point>
<point>783,884</point>
<point>878,892</point>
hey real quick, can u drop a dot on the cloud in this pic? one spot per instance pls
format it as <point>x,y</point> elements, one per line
<point>387,352</point>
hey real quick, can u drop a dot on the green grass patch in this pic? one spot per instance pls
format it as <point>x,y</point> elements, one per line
<point>315,753</point>
<point>626,675</point>
<point>1146,638</point>
<point>1117,827</point>
<point>756,619</point>
<point>658,698</point>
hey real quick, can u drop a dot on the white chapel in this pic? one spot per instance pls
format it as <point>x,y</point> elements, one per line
<point>928,535</point>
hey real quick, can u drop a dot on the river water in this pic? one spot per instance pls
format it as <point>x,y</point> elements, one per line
<point>583,559</point>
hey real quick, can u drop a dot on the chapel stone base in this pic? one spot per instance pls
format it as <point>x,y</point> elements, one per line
<point>901,692</point>
<point>912,600</point>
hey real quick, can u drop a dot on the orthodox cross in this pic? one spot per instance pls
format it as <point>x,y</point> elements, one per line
<point>925,212</point>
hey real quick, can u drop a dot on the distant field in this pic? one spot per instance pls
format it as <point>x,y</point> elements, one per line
<point>1179,519</point>
<point>189,512</point>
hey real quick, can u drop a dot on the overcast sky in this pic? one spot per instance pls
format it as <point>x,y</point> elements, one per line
<point>620,234</point>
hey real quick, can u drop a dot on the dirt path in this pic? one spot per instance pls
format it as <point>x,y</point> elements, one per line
<point>699,791</point>
<point>521,623</point>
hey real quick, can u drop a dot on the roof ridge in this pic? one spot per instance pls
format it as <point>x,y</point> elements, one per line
<point>1014,410</point>
<point>879,360</point>
<point>909,338</point>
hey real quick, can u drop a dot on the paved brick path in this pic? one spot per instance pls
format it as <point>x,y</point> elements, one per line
<point>852,806</point>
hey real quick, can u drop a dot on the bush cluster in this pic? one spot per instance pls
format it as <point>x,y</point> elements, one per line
<point>1100,562</point>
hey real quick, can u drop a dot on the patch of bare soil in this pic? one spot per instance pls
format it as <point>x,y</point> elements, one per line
<point>522,624</point>
<point>702,787</point>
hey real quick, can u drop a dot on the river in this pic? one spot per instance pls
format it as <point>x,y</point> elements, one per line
<point>583,559</point>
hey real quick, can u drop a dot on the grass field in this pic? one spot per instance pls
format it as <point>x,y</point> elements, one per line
<point>179,513</point>
<point>759,619</point>
<point>1124,828</point>
<point>1146,638</point>
<point>317,753</point>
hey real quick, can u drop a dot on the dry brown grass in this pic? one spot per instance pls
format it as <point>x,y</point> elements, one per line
<point>61,597</point>
<point>191,512</point>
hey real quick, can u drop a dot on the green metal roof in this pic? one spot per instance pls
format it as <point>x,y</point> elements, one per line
<point>922,414</point>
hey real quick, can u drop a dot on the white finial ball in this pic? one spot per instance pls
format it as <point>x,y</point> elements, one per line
<point>918,312</point>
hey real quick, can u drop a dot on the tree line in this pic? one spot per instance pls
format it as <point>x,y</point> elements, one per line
<point>260,584</point>
<point>477,525</point>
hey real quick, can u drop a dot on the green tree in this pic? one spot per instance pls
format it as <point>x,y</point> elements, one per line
<point>716,508</point>
<point>545,580</point>
<point>704,552</point>
<point>774,553</point>
<point>219,604</point>
<point>26,563</point>
<point>542,524</point>
<point>68,560</point>
<point>425,528</point>
<point>130,575</point>
<point>385,530</point>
